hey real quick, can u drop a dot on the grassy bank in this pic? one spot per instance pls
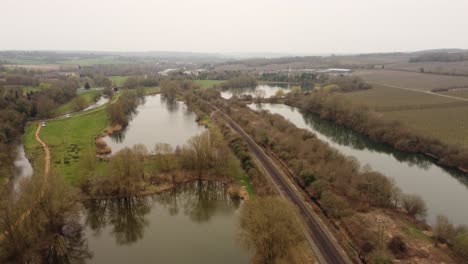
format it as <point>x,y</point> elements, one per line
<point>88,96</point>
<point>68,139</point>
<point>118,79</point>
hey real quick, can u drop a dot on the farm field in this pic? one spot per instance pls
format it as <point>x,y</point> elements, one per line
<point>413,80</point>
<point>443,118</point>
<point>208,83</point>
<point>384,98</point>
<point>118,80</point>
<point>459,93</point>
<point>449,125</point>
<point>458,67</point>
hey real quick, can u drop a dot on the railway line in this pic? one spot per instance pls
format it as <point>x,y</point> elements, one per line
<point>324,245</point>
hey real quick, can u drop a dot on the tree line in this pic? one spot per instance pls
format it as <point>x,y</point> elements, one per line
<point>363,120</point>
<point>339,184</point>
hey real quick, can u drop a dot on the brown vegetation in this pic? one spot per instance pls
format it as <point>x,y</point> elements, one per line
<point>270,226</point>
<point>363,120</point>
<point>51,233</point>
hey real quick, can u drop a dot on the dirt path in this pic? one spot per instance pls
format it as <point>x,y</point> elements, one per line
<point>46,151</point>
<point>46,175</point>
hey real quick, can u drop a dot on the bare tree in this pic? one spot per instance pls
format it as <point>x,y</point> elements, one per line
<point>414,205</point>
<point>270,226</point>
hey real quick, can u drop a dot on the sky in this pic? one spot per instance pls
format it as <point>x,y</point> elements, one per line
<point>277,26</point>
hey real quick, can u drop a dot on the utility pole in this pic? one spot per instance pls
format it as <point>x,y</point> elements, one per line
<point>381,225</point>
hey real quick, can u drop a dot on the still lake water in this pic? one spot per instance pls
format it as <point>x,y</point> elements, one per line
<point>267,90</point>
<point>157,121</point>
<point>23,168</point>
<point>194,223</point>
<point>445,191</point>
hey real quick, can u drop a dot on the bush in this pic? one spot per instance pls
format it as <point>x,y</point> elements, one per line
<point>397,246</point>
<point>414,205</point>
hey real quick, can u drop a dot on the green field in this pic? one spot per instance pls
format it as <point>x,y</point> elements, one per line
<point>208,83</point>
<point>118,80</point>
<point>68,107</point>
<point>152,90</point>
<point>71,138</point>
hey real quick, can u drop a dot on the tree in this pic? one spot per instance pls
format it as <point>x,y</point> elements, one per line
<point>335,206</point>
<point>125,175</point>
<point>79,103</point>
<point>279,93</point>
<point>270,226</point>
<point>444,228</point>
<point>169,89</point>
<point>414,205</point>
<point>45,106</point>
<point>87,86</point>
<point>131,82</point>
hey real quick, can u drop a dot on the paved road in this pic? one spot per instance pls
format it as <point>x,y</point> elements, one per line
<point>325,246</point>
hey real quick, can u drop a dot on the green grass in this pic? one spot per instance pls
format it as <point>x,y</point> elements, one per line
<point>89,97</point>
<point>27,89</point>
<point>240,175</point>
<point>208,83</point>
<point>118,80</point>
<point>152,90</point>
<point>414,232</point>
<point>71,138</point>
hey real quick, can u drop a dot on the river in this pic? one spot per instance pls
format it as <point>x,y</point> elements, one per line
<point>23,168</point>
<point>444,190</point>
<point>157,121</point>
<point>195,223</point>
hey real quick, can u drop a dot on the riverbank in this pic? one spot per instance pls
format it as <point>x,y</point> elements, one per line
<point>395,135</point>
<point>331,172</point>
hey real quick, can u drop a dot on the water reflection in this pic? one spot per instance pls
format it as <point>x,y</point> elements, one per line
<point>68,246</point>
<point>266,90</point>
<point>126,216</point>
<point>23,168</point>
<point>440,187</point>
<point>197,215</point>
<point>157,120</point>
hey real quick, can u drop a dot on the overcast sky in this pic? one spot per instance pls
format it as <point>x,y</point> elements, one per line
<point>291,26</point>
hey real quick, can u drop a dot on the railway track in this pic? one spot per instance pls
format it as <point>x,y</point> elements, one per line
<point>325,247</point>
